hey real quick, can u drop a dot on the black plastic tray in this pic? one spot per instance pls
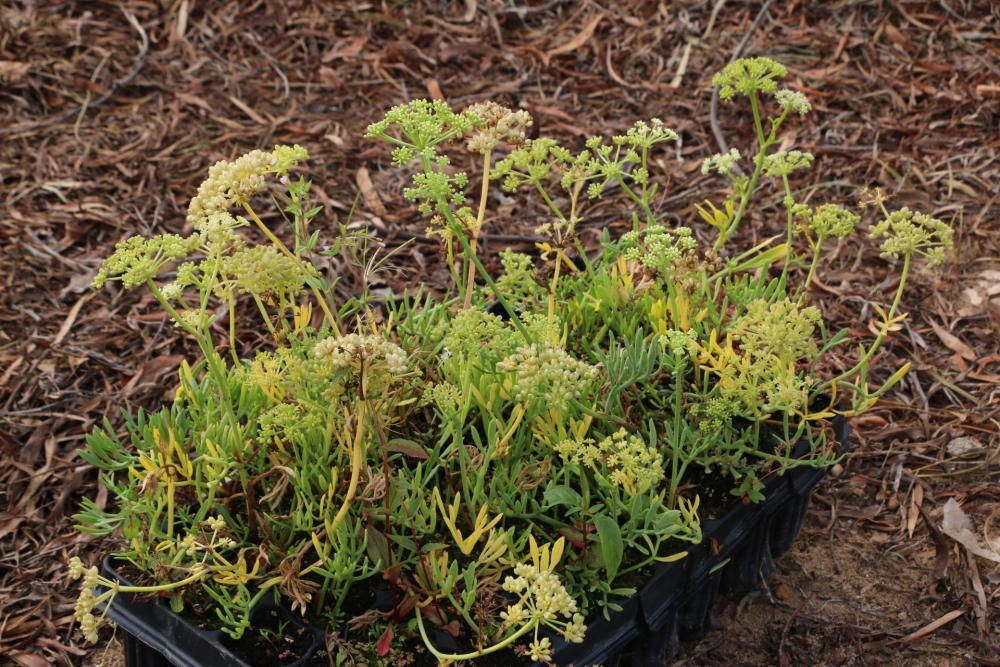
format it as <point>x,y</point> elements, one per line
<point>674,606</point>
<point>155,636</point>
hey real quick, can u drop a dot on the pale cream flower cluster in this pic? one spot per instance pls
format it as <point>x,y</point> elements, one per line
<point>542,601</point>
<point>382,361</point>
<point>84,610</point>
<point>500,125</point>
<point>233,182</point>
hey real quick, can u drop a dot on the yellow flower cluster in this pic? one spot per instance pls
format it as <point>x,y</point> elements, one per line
<point>621,459</point>
<point>84,610</point>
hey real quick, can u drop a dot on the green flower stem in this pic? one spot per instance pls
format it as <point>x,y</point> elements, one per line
<point>357,460</point>
<point>812,265</point>
<point>675,447</point>
<point>216,367</point>
<point>863,362</point>
<point>265,316</point>
<point>455,657</point>
<point>281,246</point>
<point>788,230</point>
<point>640,201</point>
<point>470,281</point>
<point>484,274</point>
<point>548,200</point>
<point>232,328</point>
<point>765,143</point>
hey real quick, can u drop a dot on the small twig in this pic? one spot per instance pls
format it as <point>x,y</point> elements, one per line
<point>787,628</point>
<point>81,109</point>
<point>716,128</point>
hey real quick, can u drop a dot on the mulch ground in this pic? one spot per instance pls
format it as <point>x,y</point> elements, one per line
<point>111,113</point>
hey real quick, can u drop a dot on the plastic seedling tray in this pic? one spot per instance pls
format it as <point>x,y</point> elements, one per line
<point>674,606</point>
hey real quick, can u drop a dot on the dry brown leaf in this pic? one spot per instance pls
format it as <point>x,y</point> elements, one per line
<point>953,342</point>
<point>368,192</point>
<point>957,525</point>
<point>12,71</point>
<point>580,39</point>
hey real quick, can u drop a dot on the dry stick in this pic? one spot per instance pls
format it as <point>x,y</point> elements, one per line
<point>682,67</point>
<point>716,128</point>
<point>140,62</point>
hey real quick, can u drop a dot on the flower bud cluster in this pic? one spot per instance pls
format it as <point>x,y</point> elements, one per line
<point>231,183</point>
<point>792,101</point>
<point>534,162</point>
<point>909,233</point>
<point>645,135</point>
<point>828,221</point>
<point>87,601</point>
<point>518,282</point>
<point>660,248</point>
<point>265,270</point>
<point>380,362</point>
<point>748,76</point>
<point>444,396</point>
<point>782,329</point>
<point>545,370</point>
<point>423,124</point>
<point>621,459</point>
<point>783,163</point>
<point>138,259</point>
<point>473,332</point>
<point>284,421</point>
<point>499,125</point>
<point>722,163</point>
<point>679,343</point>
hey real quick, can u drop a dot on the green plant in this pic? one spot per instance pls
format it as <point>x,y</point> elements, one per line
<point>435,446</point>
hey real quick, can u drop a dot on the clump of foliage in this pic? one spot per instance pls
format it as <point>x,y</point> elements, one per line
<point>506,476</point>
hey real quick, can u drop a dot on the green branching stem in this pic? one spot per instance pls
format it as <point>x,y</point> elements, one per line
<point>883,333</point>
<point>765,142</point>
<point>456,657</point>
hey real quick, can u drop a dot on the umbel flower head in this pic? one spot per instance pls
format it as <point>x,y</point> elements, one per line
<point>265,270</point>
<point>659,248</point>
<point>748,76</point>
<point>722,163</point>
<point>829,221</point>
<point>782,330</point>
<point>85,604</point>
<point>139,259</point>
<point>379,361</point>
<point>620,459</point>
<point>545,370</point>
<point>231,183</point>
<point>542,600</point>
<point>500,125</point>
<point>792,101</point>
<point>909,233</point>
<point>422,124</point>
<point>783,163</point>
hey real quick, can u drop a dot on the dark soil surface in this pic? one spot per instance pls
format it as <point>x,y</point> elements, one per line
<point>111,113</point>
